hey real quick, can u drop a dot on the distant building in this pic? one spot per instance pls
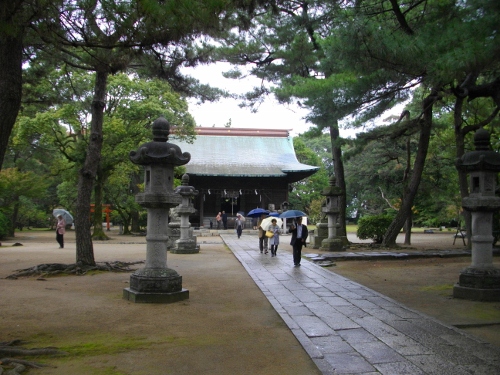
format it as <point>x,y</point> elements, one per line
<point>237,170</point>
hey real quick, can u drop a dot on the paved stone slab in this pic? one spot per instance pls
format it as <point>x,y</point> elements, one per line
<point>347,328</point>
<point>349,363</point>
<point>398,368</point>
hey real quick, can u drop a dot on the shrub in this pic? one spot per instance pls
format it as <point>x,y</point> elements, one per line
<point>4,225</point>
<point>373,227</point>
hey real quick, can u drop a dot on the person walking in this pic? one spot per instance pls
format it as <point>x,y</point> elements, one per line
<point>299,235</point>
<point>263,240</point>
<point>274,240</point>
<point>218,219</point>
<point>239,225</point>
<point>60,231</point>
<point>224,219</point>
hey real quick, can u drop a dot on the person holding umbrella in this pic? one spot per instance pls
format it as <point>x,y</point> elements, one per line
<point>60,231</point>
<point>299,235</point>
<point>274,240</point>
<point>263,240</point>
<point>239,224</point>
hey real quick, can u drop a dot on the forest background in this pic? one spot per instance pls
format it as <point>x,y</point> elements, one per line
<point>83,82</point>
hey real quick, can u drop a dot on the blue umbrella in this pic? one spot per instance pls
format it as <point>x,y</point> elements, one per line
<point>274,214</point>
<point>291,214</point>
<point>256,212</point>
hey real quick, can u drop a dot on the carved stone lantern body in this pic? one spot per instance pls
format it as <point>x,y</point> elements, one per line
<point>155,283</point>
<point>186,244</point>
<point>481,280</point>
<point>332,196</point>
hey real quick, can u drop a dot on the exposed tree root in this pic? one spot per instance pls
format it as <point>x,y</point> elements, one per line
<point>52,269</point>
<point>16,366</point>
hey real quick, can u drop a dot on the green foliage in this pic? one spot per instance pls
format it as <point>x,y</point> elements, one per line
<point>14,184</point>
<point>19,192</point>
<point>315,213</point>
<point>4,225</point>
<point>309,189</point>
<point>32,214</point>
<point>373,227</point>
<point>62,130</point>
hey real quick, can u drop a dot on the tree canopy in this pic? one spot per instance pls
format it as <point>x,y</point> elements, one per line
<point>353,60</point>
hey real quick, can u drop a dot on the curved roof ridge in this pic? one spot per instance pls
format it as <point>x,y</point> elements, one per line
<point>244,156</point>
<point>248,132</point>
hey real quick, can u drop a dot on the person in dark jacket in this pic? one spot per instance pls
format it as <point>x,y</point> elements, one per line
<point>299,235</point>
<point>224,219</point>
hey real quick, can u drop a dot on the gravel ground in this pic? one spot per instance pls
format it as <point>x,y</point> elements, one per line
<point>226,327</point>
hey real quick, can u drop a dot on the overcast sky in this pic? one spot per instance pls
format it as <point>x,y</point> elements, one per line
<point>270,115</point>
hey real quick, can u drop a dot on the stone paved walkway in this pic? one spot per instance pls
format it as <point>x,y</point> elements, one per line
<point>348,328</point>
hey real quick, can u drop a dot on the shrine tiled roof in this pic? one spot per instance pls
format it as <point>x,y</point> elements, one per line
<point>244,153</point>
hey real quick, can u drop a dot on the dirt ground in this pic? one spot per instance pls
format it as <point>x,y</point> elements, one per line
<point>227,326</point>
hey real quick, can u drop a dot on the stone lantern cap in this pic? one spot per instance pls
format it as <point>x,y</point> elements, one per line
<point>483,158</point>
<point>332,190</point>
<point>184,189</point>
<point>160,151</point>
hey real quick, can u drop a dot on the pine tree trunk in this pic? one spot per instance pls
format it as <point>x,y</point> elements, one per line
<point>87,174</point>
<point>11,49</point>
<point>338,167</point>
<point>97,219</point>
<point>135,226</point>
<point>409,220</point>
<point>462,176</point>
<point>126,225</point>
<point>411,190</point>
<point>408,225</point>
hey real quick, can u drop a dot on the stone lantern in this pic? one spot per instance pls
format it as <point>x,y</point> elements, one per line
<point>186,244</point>
<point>321,232</point>
<point>155,283</point>
<point>481,280</point>
<point>331,208</point>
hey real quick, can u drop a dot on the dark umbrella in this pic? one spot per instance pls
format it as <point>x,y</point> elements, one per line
<point>257,212</point>
<point>291,214</point>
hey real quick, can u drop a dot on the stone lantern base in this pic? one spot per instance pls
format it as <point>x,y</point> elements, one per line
<point>319,235</point>
<point>188,246</point>
<point>332,244</point>
<point>478,284</point>
<point>155,286</point>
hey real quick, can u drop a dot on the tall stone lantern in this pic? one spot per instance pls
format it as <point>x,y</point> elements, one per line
<point>332,210</point>
<point>155,283</point>
<point>481,280</point>
<point>186,244</point>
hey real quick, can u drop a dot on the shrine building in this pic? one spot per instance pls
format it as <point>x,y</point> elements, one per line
<point>237,170</point>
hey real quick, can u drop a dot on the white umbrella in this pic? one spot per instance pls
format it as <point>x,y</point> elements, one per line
<point>266,223</point>
<point>241,217</point>
<point>65,214</point>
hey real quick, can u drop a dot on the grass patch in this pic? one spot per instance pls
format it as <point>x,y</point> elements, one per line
<point>108,371</point>
<point>438,288</point>
<point>34,230</point>
<point>105,345</point>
